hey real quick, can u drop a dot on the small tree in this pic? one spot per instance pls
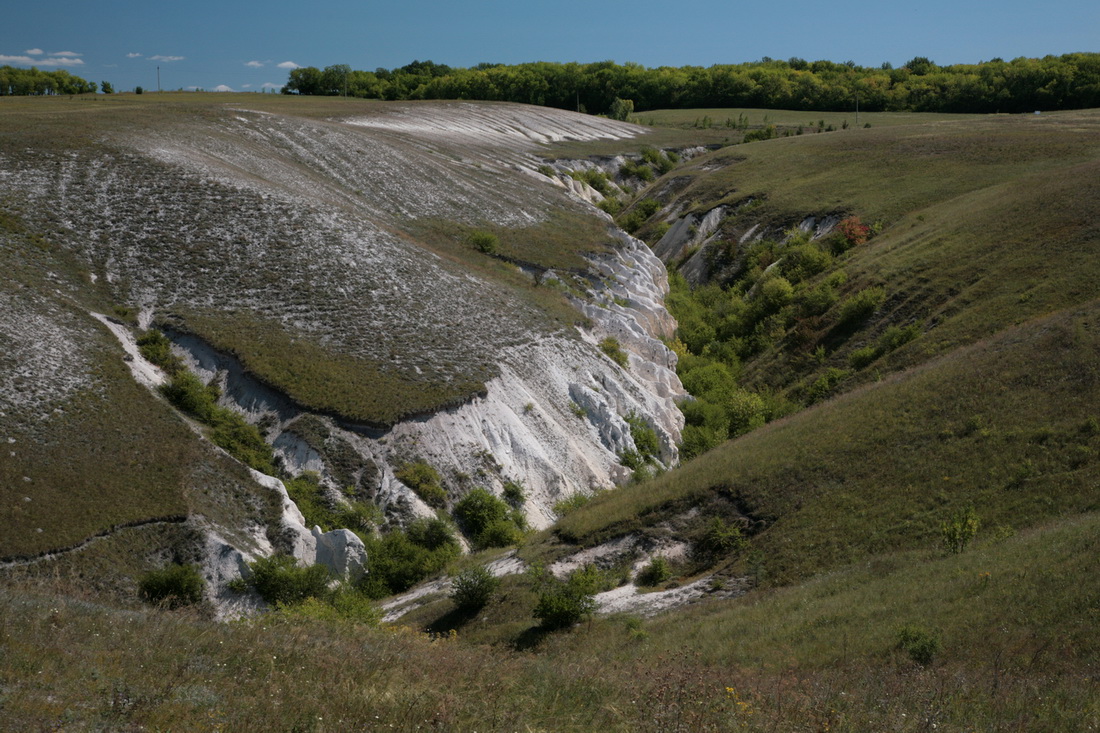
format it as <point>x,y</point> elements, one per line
<point>473,588</point>
<point>107,87</point>
<point>957,532</point>
<point>621,109</point>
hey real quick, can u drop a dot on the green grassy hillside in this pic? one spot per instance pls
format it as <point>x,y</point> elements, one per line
<point>858,616</point>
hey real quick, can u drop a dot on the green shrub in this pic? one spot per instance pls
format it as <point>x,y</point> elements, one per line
<point>187,392</point>
<point>746,412</point>
<point>546,171</point>
<point>657,571</point>
<point>424,481</point>
<point>174,586</point>
<point>957,532</point>
<point>156,347</point>
<point>718,539</point>
<point>514,493</point>
<point>825,383</point>
<point>576,501</point>
<point>595,178</point>
<point>632,169</point>
<point>281,581</point>
<point>488,520</point>
<point>431,533</point>
<point>473,588</point>
<point>400,559</point>
<point>345,604</point>
<point>860,306</point>
<point>920,644</point>
<point>564,603</point>
<point>610,346</point>
<point>228,429</point>
<point>611,205</point>
<point>484,242</point>
<point>862,357</point>
<point>645,437</point>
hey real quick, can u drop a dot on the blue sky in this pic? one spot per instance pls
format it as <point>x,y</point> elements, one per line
<point>244,45</point>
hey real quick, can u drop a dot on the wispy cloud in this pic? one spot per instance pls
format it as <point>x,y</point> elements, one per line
<point>167,58</point>
<point>271,85</point>
<point>254,64</point>
<point>133,55</point>
<point>222,88</point>
<point>246,86</point>
<point>51,60</point>
<point>70,54</point>
<point>34,52</point>
<point>289,65</point>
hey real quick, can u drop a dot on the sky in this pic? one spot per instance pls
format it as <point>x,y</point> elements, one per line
<point>243,45</point>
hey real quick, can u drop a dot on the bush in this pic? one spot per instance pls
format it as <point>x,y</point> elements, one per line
<point>281,581</point>
<point>156,347</point>
<point>473,588</point>
<point>488,520</point>
<point>851,232</point>
<point>957,532</point>
<point>610,346</point>
<point>611,205</point>
<point>400,559</point>
<point>187,392</point>
<point>484,242</point>
<point>645,437</point>
<point>424,481</point>
<point>920,644</point>
<point>563,603</point>
<point>174,586</point>
<point>718,539</point>
<point>657,571</point>
<point>860,306</point>
<point>514,493</point>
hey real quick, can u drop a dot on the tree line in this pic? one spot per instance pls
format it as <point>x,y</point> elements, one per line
<point>1070,81</point>
<point>34,81</point>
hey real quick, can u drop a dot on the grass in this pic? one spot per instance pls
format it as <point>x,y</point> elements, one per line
<point>1017,651</point>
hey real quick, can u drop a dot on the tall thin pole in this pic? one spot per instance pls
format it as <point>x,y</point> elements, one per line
<point>158,78</point>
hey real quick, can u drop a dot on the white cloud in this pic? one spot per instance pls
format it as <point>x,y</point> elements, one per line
<point>66,53</point>
<point>167,58</point>
<point>52,61</point>
<point>270,85</point>
<point>289,65</point>
<point>133,55</point>
<point>221,88</point>
<point>246,86</point>
<point>34,52</point>
<point>254,64</point>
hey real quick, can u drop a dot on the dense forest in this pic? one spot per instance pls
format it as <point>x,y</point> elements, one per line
<point>32,81</point>
<point>1070,81</point>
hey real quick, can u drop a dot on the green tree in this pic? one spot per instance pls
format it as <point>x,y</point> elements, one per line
<point>107,87</point>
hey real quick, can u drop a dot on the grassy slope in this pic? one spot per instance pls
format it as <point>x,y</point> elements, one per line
<point>1017,652</point>
<point>335,369</point>
<point>990,238</point>
<point>989,223</point>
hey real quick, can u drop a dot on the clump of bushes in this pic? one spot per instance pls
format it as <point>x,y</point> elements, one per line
<point>893,338</point>
<point>489,520</point>
<point>281,581</point>
<point>860,306</point>
<point>155,346</point>
<point>424,481</point>
<point>308,494</point>
<point>472,589</point>
<point>563,603</point>
<point>595,178</point>
<point>228,429</point>
<point>634,169</point>
<point>174,586</point>
<point>718,539</point>
<point>399,559</point>
<point>657,571</point>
